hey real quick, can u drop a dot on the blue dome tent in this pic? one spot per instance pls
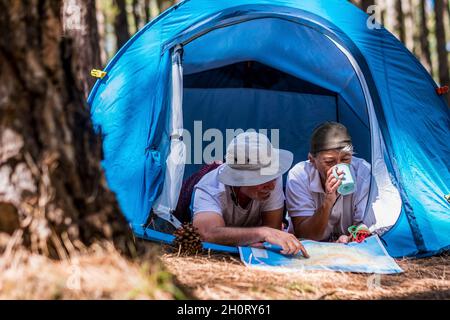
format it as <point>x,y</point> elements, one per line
<point>275,64</point>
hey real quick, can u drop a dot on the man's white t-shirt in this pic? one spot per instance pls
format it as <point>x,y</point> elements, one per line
<point>305,194</point>
<point>210,195</point>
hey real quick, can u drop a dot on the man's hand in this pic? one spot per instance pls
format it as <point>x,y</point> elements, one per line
<point>290,244</point>
<point>331,186</point>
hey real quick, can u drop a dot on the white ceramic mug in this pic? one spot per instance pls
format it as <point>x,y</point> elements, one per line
<point>348,183</point>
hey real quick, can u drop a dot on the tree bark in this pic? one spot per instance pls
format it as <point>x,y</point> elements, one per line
<point>121,23</point>
<point>366,4</point>
<point>425,56</point>
<point>409,24</point>
<point>394,18</point>
<point>80,24</point>
<point>147,10</point>
<point>137,14</point>
<point>416,20</point>
<point>101,23</point>
<point>448,10</point>
<point>163,5</point>
<point>160,4</point>
<point>444,76</point>
<point>51,183</point>
<point>363,4</point>
<point>400,20</point>
<point>382,7</point>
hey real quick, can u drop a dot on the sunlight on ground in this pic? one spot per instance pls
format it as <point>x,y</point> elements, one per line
<point>225,277</point>
<point>104,274</point>
<point>101,273</point>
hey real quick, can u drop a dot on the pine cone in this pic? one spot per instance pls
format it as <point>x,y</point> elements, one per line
<point>187,239</point>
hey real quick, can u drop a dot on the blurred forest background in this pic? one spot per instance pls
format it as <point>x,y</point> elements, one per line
<point>422,25</point>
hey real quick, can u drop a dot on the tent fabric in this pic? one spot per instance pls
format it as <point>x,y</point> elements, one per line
<point>235,108</point>
<point>317,53</point>
<point>375,79</point>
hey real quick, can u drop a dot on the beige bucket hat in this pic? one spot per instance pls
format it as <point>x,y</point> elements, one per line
<point>252,160</point>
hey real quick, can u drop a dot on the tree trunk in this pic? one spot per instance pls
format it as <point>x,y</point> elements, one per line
<point>382,8</point>
<point>101,23</point>
<point>424,34</point>
<point>51,184</point>
<point>160,5</point>
<point>147,10</point>
<point>163,5</point>
<point>390,15</point>
<point>448,9</point>
<point>409,24</point>
<point>80,24</point>
<point>366,4</point>
<point>363,4</point>
<point>137,14</point>
<point>448,16</point>
<point>400,21</point>
<point>394,18</point>
<point>416,20</point>
<point>121,23</point>
<point>444,76</point>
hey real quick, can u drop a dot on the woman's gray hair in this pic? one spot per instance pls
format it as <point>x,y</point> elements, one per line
<point>348,148</point>
<point>330,136</point>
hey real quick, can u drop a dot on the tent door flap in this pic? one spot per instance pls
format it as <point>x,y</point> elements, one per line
<point>166,203</point>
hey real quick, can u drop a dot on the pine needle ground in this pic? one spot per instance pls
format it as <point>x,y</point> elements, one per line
<point>217,276</point>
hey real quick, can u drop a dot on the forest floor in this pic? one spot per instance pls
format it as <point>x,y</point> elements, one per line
<point>226,277</point>
<point>99,273</point>
<point>102,273</point>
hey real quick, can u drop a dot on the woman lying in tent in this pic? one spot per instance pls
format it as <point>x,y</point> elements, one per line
<point>327,195</point>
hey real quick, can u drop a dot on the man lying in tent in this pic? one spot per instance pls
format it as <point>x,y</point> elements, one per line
<point>242,201</point>
<point>327,195</point>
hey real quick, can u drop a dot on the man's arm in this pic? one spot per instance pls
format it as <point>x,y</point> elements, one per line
<point>211,227</point>
<point>273,218</point>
